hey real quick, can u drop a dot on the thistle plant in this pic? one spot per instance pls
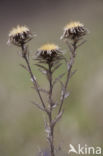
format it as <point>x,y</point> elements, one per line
<point>49,59</point>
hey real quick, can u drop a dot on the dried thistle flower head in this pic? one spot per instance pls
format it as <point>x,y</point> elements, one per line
<point>20,35</point>
<point>49,53</point>
<point>74,31</point>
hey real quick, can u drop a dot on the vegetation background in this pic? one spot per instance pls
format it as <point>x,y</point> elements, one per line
<point>21,124</point>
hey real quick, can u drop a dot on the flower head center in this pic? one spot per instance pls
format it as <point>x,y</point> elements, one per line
<point>48,47</point>
<point>73,25</point>
<point>18,30</point>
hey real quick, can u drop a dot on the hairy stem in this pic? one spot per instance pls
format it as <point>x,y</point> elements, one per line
<point>32,77</point>
<point>51,127</point>
<point>73,52</point>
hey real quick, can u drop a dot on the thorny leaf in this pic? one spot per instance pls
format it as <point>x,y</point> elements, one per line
<point>57,118</point>
<point>73,73</point>
<point>38,105</point>
<point>55,68</point>
<point>81,43</point>
<point>41,66</point>
<point>23,66</point>
<point>56,62</point>
<point>58,78</point>
<point>45,73</point>
<point>40,60</point>
<point>69,46</point>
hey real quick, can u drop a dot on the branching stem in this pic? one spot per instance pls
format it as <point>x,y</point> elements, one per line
<point>52,122</point>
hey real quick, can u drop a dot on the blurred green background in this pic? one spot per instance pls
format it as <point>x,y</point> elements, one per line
<point>21,124</point>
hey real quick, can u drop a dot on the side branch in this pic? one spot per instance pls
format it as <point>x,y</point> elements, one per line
<point>69,66</point>
<point>32,77</point>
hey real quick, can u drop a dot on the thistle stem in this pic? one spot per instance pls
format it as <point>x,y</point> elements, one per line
<point>73,54</point>
<point>32,77</point>
<point>51,127</point>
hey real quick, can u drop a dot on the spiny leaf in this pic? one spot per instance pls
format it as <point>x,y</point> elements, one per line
<point>81,43</point>
<point>23,66</point>
<point>69,46</point>
<point>55,68</point>
<point>41,67</point>
<point>57,118</point>
<point>73,73</point>
<point>38,105</point>
<point>58,78</point>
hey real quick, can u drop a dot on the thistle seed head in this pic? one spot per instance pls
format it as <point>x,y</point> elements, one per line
<point>20,35</point>
<point>74,31</point>
<point>49,53</point>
